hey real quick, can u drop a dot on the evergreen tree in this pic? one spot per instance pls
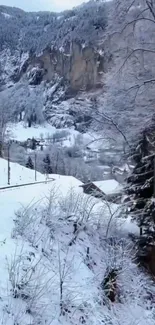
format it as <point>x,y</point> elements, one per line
<point>29,122</point>
<point>20,116</point>
<point>141,191</point>
<point>1,149</point>
<point>29,163</point>
<point>33,144</point>
<point>47,165</point>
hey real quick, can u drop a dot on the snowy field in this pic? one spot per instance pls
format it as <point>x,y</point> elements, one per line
<point>47,274</point>
<point>21,132</point>
<point>18,174</point>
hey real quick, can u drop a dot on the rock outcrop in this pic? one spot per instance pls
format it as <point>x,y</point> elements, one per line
<point>81,67</point>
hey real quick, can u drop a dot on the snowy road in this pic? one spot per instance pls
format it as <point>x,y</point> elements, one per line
<point>26,184</point>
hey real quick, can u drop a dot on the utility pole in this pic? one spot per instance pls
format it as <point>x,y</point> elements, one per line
<point>8,163</point>
<point>35,166</point>
<point>154,177</point>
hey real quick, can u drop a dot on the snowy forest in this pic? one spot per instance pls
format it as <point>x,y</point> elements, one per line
<point>35,31</point>
<point>77,165</point>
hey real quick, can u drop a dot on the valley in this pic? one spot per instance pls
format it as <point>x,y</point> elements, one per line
<point>77,164</point>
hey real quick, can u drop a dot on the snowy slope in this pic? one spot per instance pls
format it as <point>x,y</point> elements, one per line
<point>18,174</point>
<point>20,132</point>
<point>47,275</point>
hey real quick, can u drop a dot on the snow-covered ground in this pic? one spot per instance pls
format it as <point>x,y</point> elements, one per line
<point>47,274</point>
<point>54,256</point>
<point>21,132</point>
<point>10,201</point>
<point>18,174</point>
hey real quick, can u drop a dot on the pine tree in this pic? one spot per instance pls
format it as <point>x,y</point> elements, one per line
<point>29,163</point>
<point>1,149</point>
<point>141,193</point>
<point>47,165</point>
<point>29,122</point>
<point>33,144</point>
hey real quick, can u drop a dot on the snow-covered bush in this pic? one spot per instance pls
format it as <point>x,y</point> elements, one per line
<point>59,275</point>
<point>27,223</point>
<point>60,136</point>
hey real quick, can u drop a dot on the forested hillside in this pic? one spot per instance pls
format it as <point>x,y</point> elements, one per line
<point>36,31</point>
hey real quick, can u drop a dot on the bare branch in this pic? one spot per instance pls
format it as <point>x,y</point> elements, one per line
<point>145,82</point>
<point>110,120</point>
<point>136,20</point>
<point>150,6</point>
<point>133,52</point>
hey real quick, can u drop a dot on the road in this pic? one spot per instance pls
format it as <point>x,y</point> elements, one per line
<point>27,184</point>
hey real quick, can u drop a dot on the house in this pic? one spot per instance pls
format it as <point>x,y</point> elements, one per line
<point>107,189</point>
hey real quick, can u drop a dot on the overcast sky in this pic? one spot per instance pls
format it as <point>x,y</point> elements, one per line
<point>36,5</point>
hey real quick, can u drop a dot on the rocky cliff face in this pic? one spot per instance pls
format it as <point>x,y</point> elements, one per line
<point>80,67</point>
<point>49,84</point>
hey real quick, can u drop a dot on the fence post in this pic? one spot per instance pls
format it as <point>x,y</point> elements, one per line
<point>35,166</point>
<point>8,163</point>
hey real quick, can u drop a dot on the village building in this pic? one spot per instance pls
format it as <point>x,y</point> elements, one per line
<point>107,189</point>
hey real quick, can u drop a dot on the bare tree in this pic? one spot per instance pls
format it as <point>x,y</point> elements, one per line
<point>128,101</point>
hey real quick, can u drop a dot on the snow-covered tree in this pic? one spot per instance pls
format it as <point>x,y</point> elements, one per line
<point>142,192</point>
<point>129,50</point>
<point>29,163</point>
<point>47,165</point>
<point>35,31</point>
<point>33,144</point>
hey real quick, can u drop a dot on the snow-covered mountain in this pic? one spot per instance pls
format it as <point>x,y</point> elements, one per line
<point>47,58</point>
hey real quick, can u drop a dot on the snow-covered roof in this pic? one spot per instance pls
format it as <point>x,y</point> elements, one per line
<point>109,186</point>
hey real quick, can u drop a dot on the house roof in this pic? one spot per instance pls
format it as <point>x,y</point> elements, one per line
<point>110,186</point>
